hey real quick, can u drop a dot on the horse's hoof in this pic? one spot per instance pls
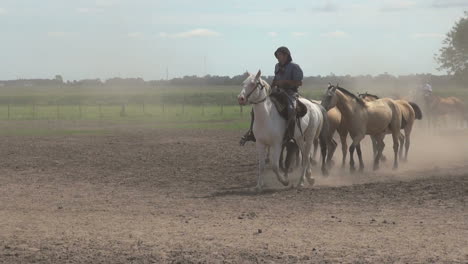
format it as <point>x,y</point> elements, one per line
<point>383,158</point>
<point>301,185</point>
<point>325,172</point>
<point>311,181</point>
<point>361,169</point>
<point>283,180</point>
<point>313,162</point>
<point>258,188</point>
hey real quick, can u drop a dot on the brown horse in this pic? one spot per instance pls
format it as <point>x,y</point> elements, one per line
<point>335,123</point>
<point>439,107</point>
<point>365,118</point>
<point>409,112</point>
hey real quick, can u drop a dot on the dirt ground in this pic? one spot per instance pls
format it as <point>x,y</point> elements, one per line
<point>149,195</point>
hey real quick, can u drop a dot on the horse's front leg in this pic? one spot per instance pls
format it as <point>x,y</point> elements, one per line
<point>356,141</point>
<point>275,160</point>
<point>380,146</point>
<point>395,136</point>
<point>344,147</point>
<point>331,145</point>
<point>323,151</point>
<point>359,153</point>
<point>306,162</point>
<point>261,152</point>
<point>351,158</point>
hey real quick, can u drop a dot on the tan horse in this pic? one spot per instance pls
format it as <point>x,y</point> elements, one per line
<point>335,123</point>
<point>445,106</point>
<point>409,113</point>
<point>366,118</point>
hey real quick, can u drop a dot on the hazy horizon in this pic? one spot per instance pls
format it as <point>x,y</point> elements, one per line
<point>118,38</point>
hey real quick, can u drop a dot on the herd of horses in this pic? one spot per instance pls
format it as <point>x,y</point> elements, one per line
<point>339,111</point>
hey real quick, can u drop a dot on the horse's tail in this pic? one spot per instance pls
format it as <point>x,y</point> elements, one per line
<point>417,110</point>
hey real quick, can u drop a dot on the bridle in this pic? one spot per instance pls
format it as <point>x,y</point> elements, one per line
<point>259,84</point>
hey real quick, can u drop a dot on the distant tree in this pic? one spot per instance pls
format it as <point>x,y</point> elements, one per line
<point>453,56</point>
<point>59,78</point>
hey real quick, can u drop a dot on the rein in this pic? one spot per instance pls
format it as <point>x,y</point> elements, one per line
<point>259,83</point>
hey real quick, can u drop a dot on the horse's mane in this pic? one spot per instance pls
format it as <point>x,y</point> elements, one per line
<point>267,86</point>
<point>359,100</point>
<point>371,95</point>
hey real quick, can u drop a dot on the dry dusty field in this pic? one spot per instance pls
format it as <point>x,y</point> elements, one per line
<point>151,195</point>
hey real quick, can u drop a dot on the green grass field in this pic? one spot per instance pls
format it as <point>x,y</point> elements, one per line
<point>179,107</point>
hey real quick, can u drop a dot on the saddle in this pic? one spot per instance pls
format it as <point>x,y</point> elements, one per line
<point>280,101</point>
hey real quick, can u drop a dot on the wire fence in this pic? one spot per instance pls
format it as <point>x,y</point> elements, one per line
<point>120,111</point>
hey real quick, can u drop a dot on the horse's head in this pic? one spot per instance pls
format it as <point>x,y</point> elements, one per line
<point>330,98</point>
<point>254,90</point>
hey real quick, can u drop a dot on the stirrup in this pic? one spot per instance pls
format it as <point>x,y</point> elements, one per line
<point>249,136</point>
<point>288,141</point>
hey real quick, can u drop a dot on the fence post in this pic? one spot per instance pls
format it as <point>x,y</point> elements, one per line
<point>144,109</point>
<point>8,111</point>
<point>58,112</point>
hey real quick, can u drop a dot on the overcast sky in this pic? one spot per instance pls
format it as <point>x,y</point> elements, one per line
<point>140,38</point>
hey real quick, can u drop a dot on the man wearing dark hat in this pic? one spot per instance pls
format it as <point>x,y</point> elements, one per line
<point>288,78</point>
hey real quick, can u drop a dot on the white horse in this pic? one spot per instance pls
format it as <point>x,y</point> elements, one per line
<point>269,129</point>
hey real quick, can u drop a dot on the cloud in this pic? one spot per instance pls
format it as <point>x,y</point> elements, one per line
<point>391,6</point>
<point>327,7</point>
<point>298,34</point>
<point>199,32</point>
<point>2,11</point>
<point>135,35</point>
<point>272,34</point>
<point>449,3</point>
<point>428,35</point>
<point>335,34</point>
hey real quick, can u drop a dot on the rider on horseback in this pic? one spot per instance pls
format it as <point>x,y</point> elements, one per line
<point>288,78</point>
